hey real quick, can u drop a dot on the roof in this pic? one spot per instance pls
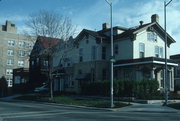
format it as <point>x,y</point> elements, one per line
<point>90,32</point>
<point>140,61</point>
<point>128,32</point>
<point>48,41</point>
<point>43,43</point>
<point>177,56</point>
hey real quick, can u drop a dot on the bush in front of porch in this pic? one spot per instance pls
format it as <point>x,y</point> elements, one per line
<point>143,89</point>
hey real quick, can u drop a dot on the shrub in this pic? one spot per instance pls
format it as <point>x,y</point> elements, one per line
<point>144,89</point>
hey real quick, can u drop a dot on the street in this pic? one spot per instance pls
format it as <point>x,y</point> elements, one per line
<point>35,111</point>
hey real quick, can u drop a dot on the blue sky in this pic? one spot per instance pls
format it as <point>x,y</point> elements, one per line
<point>90,14</point>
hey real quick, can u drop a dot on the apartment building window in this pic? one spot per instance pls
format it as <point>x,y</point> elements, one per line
<point>11,42</point>
<point>9,71</point>
<point>21,44</point>
<point>80,54</point>
<point>29,45</point>
<point>93,52</point>
<point>116,49</point>
<point>20,63</point>
<point>103,53</point>
<point>21,53</point>
<point>141,50</point>
<point>10,52</point>
<point>152,36</point>
<point>158,52</point>
<point>10,61</point>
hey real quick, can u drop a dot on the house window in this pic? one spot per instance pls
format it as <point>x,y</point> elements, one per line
<point>93,52</point>
<point>141,50</point>
<point>152,36</point>
<point>103,53</point>
<point>116,49</point>
<point>80,55</point>
<point>158,52</point>
<point>20,63</point>
<point>21,53</point>
<point>21,44</point>
<point>104,74</point>
<point>87,39</point>
<point>11,42</point>
<point>10,52</point>
<point>92,74</point>
<point>45,63</point>
<point>9,82</point>
<point>9,71</point>
<point>161,52</point>
<point>10,61</point>
<point>32,63</point>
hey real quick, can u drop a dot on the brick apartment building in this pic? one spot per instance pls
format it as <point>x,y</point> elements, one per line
<point>14,50</point>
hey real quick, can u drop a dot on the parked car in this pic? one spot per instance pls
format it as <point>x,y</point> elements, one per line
<point>42,89</point>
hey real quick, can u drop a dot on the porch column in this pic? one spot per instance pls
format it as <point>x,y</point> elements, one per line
<point>171,73</point>
<point>153,73</point>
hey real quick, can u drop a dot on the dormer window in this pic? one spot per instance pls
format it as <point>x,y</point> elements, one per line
<point>152,36</point>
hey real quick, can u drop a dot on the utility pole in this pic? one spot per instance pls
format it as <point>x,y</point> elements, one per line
<point>166,77</point>
<point>112,56</point>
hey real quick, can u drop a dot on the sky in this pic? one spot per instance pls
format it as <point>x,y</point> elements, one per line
<point>90,14</point>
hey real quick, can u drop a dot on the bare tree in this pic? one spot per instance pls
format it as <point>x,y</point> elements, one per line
<point>51,24</point>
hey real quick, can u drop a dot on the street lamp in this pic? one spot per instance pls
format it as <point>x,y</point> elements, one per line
<point>112,54</point>
<point>165,80</point>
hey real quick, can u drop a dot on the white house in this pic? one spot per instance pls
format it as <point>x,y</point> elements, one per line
<point>138,51</point>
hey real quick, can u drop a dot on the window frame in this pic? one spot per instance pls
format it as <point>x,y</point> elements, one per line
<point>141,50</point>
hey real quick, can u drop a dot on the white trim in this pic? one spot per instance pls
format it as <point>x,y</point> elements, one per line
<point>145,62</point>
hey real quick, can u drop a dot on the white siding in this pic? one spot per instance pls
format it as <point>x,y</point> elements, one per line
<point>149,45</point>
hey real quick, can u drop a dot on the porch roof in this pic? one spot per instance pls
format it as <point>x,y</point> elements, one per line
<point>141,61</point>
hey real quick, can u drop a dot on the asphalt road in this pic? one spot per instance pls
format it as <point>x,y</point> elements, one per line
<point>35,111</point>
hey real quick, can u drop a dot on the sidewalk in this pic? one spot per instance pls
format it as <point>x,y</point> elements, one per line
<point>9,98</point>
<point>149,108</point>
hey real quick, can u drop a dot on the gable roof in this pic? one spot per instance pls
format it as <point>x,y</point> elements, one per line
<point>126,32</point>
<point>48,41</point>
<point>43,43</point>
<point>85,32</point>
<point>131,32</point>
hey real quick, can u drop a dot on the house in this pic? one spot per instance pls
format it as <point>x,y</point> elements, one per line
<point>138,51</point>
<point>20,80</point>
<point>176,70</point>
<point>39,67</point>
<point>14,50</point>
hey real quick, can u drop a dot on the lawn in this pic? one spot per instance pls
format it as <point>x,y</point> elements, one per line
<point>68,100</point>
<point>175,105</point>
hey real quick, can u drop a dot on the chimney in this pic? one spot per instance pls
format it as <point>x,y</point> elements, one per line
<point>141,23</point>
<point>155,18</point>
<point>105,26</point>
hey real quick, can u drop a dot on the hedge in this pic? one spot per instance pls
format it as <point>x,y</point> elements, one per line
<point>143,89</point>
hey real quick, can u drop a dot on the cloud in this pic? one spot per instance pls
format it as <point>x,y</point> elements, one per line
<point>13,18</point>
<point>131,16</point>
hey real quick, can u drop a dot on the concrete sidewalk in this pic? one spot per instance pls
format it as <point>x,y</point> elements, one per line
<point>151,108</point>
<point>9,98</point>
